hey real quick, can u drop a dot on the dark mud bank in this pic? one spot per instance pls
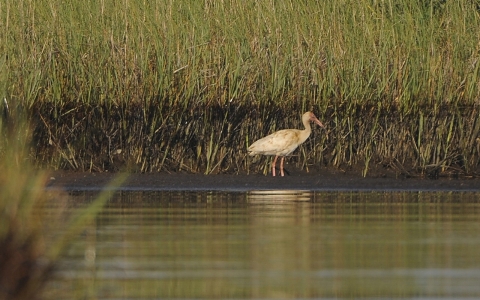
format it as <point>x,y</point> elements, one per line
<point>75,181</point>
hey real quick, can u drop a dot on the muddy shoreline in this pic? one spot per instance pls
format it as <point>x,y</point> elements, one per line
<point>83,181</point>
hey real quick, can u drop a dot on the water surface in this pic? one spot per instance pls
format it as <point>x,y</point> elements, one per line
<point>276,245</point>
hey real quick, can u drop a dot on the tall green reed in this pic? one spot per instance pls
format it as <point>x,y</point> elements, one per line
<point>127,79</point>
<point>36,225</point>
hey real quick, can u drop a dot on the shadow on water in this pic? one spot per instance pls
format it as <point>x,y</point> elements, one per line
<point>276,244</point>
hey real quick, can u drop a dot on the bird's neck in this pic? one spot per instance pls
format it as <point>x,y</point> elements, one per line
<point>306,132</point>
<point>308,127</point>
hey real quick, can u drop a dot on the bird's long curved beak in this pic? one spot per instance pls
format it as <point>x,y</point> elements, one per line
<point>318,123</point>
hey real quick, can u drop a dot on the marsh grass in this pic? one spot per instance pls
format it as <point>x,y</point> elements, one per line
<point>188,85</point>
<point>36,225</point>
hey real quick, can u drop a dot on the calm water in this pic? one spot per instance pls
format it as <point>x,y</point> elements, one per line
<point>276,245</point>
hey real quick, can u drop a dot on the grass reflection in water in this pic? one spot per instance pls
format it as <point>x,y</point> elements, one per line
<point>295,244</point>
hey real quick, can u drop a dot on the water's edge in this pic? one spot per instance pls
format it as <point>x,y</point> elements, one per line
<point>193,182</point>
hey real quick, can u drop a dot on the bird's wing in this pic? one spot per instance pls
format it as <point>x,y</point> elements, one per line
<point>277,143</point>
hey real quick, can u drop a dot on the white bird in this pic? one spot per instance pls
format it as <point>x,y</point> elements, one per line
<point>283,142</point>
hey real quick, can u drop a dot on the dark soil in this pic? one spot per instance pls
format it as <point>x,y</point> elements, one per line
<point>297,180</point>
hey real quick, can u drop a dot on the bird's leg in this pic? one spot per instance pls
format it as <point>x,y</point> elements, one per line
<point>273,165</point>
<point>281,165</point>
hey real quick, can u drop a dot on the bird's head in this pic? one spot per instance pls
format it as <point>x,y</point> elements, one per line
<point>310,117</point>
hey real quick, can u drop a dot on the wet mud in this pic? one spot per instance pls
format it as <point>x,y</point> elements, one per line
<point>303,181</point>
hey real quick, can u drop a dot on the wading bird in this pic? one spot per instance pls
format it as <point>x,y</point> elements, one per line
<point>283,142</point>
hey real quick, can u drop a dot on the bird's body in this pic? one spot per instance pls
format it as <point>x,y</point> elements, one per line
<point>283,142</point>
